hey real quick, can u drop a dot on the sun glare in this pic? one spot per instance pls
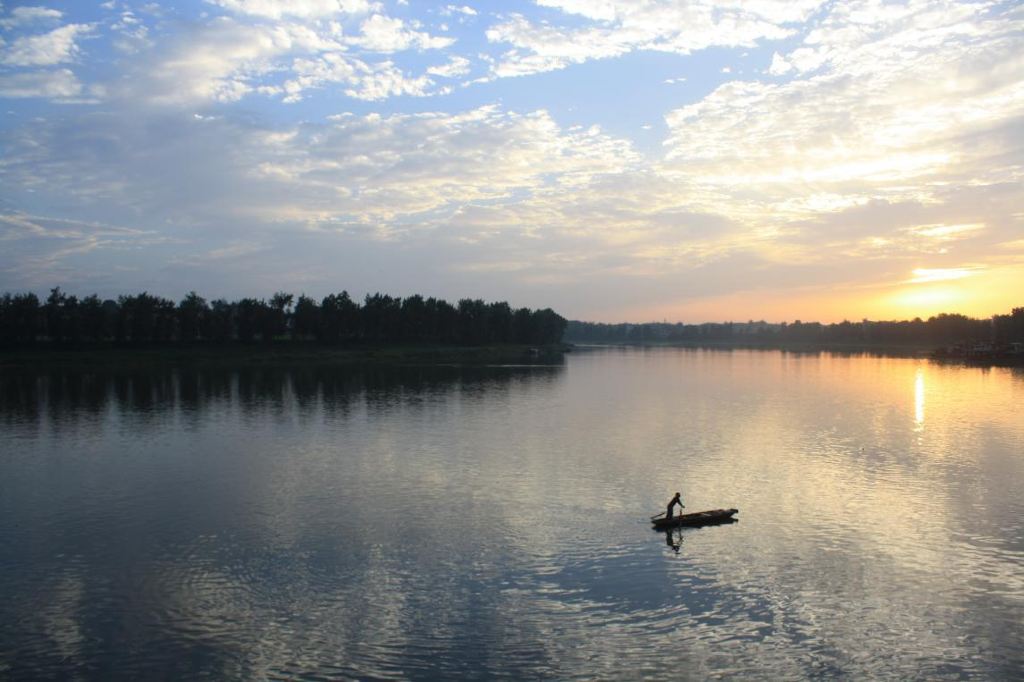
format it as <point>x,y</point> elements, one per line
<point>929,297</point>
<point>923,275</point>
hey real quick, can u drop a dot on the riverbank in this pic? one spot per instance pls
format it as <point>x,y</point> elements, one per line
<point>896,350</point>
<point>282,354</point>
<point>941,355</point>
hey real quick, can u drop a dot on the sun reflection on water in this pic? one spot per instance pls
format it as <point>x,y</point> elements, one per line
<point>919,399</point>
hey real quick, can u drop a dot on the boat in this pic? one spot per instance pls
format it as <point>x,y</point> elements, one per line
<point>704,518</point>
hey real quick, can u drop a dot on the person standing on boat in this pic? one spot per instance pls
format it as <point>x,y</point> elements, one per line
<point>671,505</point>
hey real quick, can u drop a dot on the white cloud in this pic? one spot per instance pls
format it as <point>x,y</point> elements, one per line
<point>373,169</point>
<point>646,14</point>
<point>779,65</point>
<point>49,84</point>
<point>895,137</point>
<point>386,34</point>
<point>626,25</point>
<point>456,67</point>
<point>134,33</point>
<point>28,15</point>
<point>223,61</point>
<point>228,59</point>
<point>600,10</point>
<point>55,47</point>
<point>301,9</point>
<point>923,275</point>
<point>913,105</point>
<point>361,80</point>
<point>547,48</point>
<point>382,80</point>
<point>944,232</point>
<point>464,10</point>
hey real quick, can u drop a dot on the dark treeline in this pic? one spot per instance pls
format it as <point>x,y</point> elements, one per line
<point>944,329</point>
<point>144,319</point>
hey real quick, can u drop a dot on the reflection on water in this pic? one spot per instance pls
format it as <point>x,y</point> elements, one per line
<point>919,398</point>
<point>486,521</point>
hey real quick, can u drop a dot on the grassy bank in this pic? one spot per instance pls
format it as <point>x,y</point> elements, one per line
<point>275,354</point>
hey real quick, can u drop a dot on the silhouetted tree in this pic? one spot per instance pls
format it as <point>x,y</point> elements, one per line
<point>549,326</point>
<point>499,323</point>
<point>250,314</point>
<point>339,318</point>
<point>193,318</point>
<point>63,321</point>
<point>1010,327</point>
<point>381,318</point>
<point>276,323</point>
<point>414,321</point>
<point>144,318</point>
<point>92,319</point>
<point>19,319</point>
<point>222,321</point>
<point>472,322</point>
<point>306,318</point>
<point>522,325</point>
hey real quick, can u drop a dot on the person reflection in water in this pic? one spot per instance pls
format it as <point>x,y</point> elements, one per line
<point>672,503</point>
<point>672,541</point>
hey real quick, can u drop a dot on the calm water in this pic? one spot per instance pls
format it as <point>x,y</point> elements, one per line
<point>492,522</point>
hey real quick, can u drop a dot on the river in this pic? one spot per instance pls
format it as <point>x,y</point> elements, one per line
<point>482,522</point>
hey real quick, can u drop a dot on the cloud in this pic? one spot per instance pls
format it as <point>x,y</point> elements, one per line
<point>875,141</point>
<point>926,275</point>
<point>547,48</point>
<point>385,34</point>
<point>372,169</point>
<point>919,100</point>
<point>28,15</point>
<point>227,60</point>
<point>134,33</point>
<point>779,65</point>
<point>222,61</point>
<point>360,79</point>
<point>944,232</point>
<point>47,49</point>
<point>361,178</point>
<point>57,84</point>
<point>302,9</point>
<point>39,250</point>
<point>456,67</point>
<point>616,28</point>
<point>464,10</point>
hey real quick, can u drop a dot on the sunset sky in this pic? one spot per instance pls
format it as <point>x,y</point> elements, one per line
<point>617,160</point>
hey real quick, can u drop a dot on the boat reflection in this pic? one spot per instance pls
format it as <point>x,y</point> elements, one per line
<point>674,534</point>
<point>674,538</point>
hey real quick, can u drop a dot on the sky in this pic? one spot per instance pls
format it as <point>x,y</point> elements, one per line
<point>616,160</point>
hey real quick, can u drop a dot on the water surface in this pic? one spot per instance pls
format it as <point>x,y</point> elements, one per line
<point>424,522</point>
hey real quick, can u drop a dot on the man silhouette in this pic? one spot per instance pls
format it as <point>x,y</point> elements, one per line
<point>672,503</point>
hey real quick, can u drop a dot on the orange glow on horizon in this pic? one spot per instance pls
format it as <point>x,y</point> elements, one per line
<point>980,293</point>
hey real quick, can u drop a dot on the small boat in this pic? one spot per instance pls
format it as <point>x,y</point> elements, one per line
<point>704,518</point>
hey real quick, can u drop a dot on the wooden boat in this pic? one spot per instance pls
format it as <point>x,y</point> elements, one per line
<point>704,518</point>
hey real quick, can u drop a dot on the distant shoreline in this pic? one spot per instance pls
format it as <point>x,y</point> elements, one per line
<point>283,354</point>
<point>797,346</point>
<point>910,350</point>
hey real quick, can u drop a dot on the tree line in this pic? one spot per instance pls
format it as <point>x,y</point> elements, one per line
<point>944,329</point>
<point>64,319</point>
